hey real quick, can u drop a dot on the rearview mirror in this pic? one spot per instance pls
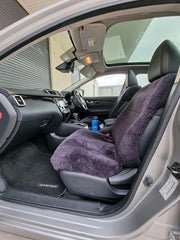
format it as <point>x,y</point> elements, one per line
<point>66,67</point>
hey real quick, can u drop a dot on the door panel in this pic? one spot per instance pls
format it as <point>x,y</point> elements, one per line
<point>100,105</point>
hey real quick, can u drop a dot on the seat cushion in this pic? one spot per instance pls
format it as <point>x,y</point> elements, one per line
<point>87,152</point>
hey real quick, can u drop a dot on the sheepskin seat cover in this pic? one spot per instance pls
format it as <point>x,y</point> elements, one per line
<point>87,152</point>
<point>95,154</point>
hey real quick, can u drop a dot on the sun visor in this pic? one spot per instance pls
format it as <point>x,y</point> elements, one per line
<point>92,37</point>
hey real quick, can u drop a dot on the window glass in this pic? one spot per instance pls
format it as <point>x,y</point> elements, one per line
<point>136,41</point>
<point>27,69</point>
<point>35,66</point>
<point>108,86</point>
<point>61,50</point>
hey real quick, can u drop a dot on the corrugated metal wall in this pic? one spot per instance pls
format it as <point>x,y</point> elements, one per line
<point>27,69</point>
<point>10,12</point>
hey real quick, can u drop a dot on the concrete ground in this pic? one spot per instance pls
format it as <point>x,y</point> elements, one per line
<point>9,236</point>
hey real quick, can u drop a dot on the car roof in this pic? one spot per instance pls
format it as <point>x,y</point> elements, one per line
<point>74,16</point>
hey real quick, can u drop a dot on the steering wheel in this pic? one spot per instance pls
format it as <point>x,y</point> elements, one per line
<point>80,100</point>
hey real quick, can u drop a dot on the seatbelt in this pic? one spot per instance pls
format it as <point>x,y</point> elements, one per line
<point>177,76</point>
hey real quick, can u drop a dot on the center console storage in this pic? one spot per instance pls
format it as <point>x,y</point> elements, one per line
<point>109,122</point>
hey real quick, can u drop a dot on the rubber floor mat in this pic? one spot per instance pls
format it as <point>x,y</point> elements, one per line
<point>28,169</point>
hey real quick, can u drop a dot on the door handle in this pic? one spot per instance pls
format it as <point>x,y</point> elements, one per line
<point>92,102</point>
<point>89,102</point>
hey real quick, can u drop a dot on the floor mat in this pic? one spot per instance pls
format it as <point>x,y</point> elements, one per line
<point>28,169</point>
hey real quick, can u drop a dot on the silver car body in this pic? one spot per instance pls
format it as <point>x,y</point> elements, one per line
<point>151,212</point>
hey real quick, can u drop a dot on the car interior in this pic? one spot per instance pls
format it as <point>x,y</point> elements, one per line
<point>115,68</point>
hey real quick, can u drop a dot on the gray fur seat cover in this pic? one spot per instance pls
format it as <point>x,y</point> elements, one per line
<point>88,152</point>
<point>94,153</point>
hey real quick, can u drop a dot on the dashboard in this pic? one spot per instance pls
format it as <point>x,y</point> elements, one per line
<point>25,114</point>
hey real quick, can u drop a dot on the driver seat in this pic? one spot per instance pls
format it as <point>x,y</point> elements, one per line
<point>98,166</point>
<point>129,88</point>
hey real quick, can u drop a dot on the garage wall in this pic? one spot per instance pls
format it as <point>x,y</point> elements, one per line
<point>10,12</point>
<point>60,80</point>
<point>27,69</point>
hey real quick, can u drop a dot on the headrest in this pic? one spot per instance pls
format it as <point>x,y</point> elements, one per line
<point>130,79</point>
<point>166,59</point>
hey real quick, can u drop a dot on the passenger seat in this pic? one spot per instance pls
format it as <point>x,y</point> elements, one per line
<point>94,165</point>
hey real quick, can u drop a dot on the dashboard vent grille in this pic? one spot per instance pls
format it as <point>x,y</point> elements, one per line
<point>52,92</point>
<point>19,100</point>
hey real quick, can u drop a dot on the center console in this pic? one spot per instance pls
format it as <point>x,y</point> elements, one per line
<point>66,112</point>
<point>66,127</point>
<point>63,106</point>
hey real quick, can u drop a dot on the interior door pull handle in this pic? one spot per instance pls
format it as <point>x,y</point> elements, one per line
<point>90,102</point>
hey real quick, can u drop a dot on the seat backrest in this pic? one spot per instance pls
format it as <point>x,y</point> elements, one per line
<point>128,128</point>
<point>130,87</point>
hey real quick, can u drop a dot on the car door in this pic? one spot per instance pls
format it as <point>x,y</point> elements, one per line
<point>101,93</point>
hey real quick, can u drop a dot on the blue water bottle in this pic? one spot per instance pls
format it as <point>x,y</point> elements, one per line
<point>95,124</point>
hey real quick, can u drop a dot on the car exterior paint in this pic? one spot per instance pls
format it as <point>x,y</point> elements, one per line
<point>140,218</point>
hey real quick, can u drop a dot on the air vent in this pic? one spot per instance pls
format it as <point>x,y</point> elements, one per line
<point>52,92</point>
<point>19,100</point>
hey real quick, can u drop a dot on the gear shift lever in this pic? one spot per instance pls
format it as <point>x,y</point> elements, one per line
<point>77,122</point>
<point>76,117</point>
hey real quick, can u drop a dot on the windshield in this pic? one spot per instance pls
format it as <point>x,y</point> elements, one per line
<point>136,41</point>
